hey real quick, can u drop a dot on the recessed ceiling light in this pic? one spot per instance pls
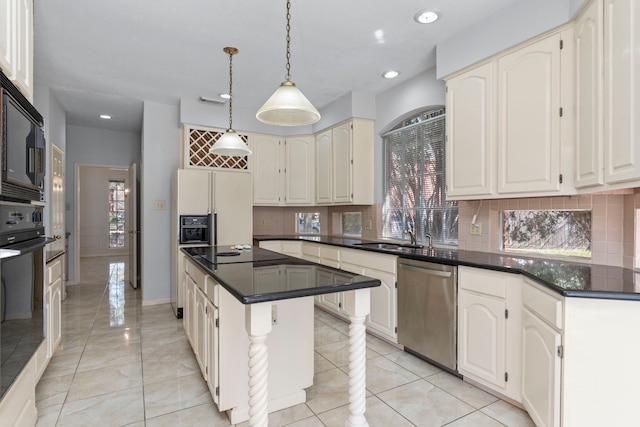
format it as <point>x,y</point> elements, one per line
<point>426,16</point>
<point>390,74</point>
<point>105,116</point>
<point>224,95</point>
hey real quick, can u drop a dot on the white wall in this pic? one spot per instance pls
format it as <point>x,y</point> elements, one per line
<point>509,26</point>
<point>160,157</point>
<point>92,146</point>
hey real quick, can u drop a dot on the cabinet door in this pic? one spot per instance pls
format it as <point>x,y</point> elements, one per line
<point>299,171</point>
<point>529,118</point>
<point>382,316</point>
<point>540,370</point>
<point>267,170</point>
<point>342,161</point>
<point>54,315</point>
<point>188,308</point>
<point>622,91</point>
<point>333,301</point>
<point>470,125</point>
<point>212,349</point>
<point>24,48</point>
<point>193,191</point>
<point>481,337</point>
<point>232,202</point>
<point>588,46</point>
<point>7,36</point>
<point>200,329</point>
<point>324,180</point>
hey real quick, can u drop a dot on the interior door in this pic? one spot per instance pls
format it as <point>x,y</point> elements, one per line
<point>132,210</point>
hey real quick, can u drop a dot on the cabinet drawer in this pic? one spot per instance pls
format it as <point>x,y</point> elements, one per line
<point>369,260</point>
<point>545,305</point>
<point>311,250</point>
<point>54,270</point>
<point>329,253</point>
<point>483,281</point>
<point>196,274</point>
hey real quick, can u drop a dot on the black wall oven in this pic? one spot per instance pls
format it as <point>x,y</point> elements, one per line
<point>22,312</point>
<point>23,146</point>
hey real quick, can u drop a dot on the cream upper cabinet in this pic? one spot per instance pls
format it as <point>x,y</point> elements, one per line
<point>324,179</point>
<point>622,91</point>
<point>299,170</point>
<point>16,44</point>
<point>283,170</point>
<point>589,138</point>
<point>508,134</point>
<point>470,123</point>
<point>344,164</point>
<point>529,118</point>
<point>268,164</point>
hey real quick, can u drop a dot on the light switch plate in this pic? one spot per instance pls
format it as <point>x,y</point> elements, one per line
<point>159,205</point>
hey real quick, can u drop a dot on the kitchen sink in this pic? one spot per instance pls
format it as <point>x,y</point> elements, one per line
<point>388,246</point>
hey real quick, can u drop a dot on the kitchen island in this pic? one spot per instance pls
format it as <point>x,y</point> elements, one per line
<point>268,289</point>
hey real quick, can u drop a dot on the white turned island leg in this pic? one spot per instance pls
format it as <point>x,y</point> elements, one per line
<point>258,325</point>
<point>357,304</point>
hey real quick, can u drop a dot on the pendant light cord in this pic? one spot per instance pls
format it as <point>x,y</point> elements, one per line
<point>230,89</point>
<point>287,77</point>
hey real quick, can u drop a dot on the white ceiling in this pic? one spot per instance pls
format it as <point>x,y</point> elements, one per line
<point>108,56</point>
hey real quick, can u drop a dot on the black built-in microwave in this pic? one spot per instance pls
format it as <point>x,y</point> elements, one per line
<point>23,146</point>
<point>195,229</point>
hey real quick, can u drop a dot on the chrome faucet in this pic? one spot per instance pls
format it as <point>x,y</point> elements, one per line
<point>430,245</point>
<point>411,234</point>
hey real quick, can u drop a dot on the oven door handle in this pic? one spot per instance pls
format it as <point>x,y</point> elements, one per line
<point>30,245</point>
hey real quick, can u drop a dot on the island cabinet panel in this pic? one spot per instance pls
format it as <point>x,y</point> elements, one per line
<point>489,320</point>
<point>220,342</point>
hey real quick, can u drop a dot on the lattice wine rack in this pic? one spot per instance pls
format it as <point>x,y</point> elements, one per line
<point>198,140</point>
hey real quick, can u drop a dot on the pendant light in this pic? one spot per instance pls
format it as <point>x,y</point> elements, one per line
<point>288,106</point>
<point>230,143</point>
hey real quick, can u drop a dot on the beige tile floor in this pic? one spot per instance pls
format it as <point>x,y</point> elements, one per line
<point>121,364</point>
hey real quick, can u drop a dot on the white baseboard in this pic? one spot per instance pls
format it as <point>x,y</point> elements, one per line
<point>156,301</point>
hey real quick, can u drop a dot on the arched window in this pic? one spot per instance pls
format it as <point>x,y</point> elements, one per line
<point>414,180</point>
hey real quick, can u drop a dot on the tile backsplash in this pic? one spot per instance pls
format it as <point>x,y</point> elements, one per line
<point>615,222</point>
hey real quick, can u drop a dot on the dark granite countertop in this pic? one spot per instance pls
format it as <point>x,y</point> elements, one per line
<point>257,275</point>
<point>570,279</point>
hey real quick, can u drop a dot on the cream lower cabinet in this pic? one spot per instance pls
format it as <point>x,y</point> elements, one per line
<point>382,319</point>
<point>54,304</point>
<point>489,329</point>
<point>542,350</point>
<point>220,343</point>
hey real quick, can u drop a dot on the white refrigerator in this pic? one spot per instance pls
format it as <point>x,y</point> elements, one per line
<point>228,194</point>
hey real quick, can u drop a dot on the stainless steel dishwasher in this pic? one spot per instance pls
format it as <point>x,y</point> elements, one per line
<point>427,310</point>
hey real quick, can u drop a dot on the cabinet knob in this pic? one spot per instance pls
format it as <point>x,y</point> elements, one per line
<point>57,236</point>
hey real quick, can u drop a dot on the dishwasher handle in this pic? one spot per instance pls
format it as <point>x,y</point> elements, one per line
<point>444,274</point>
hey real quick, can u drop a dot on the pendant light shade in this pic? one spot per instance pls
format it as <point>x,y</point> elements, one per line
<point>288,106</point>
<point>230,143</point>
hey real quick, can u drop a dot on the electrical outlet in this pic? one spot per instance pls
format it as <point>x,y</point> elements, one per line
<point>475,229</point>
<point>367,224</point>
<point>263,223</point>
<point>274,314</point>
<point>159,205</point>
